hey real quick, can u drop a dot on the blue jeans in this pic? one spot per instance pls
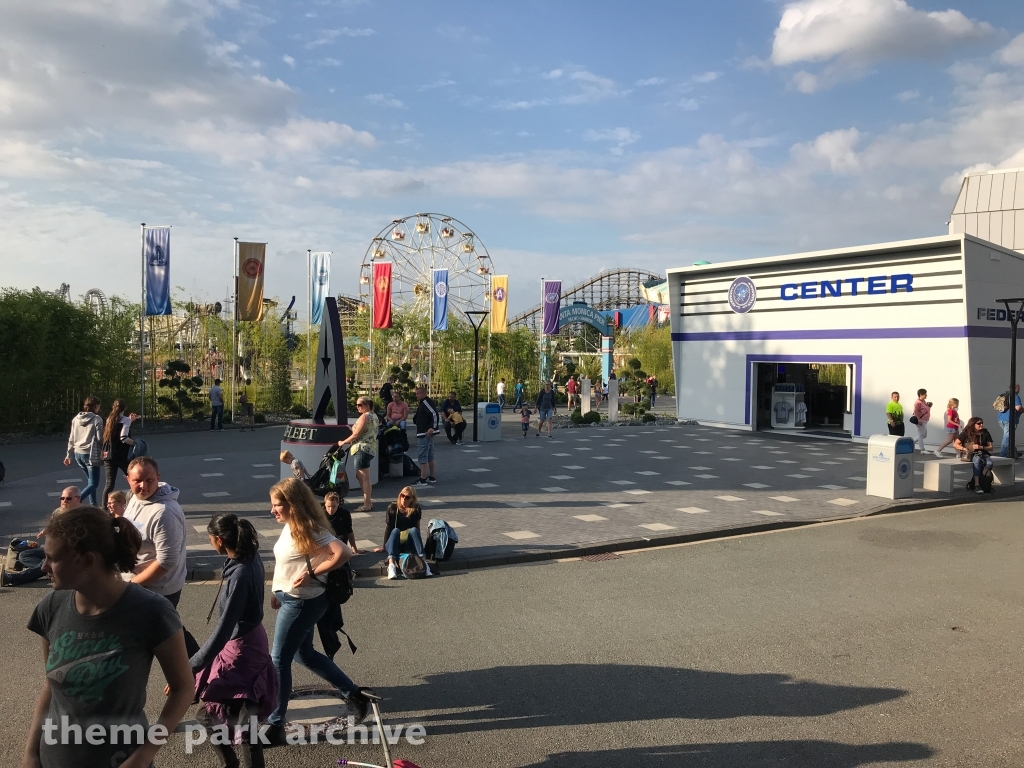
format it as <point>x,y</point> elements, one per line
<point>501,402</point>
<point>92,478</point>
<point>981,462</point>
<point>394,547</point>
<point>293,638</point>
<point>217,415</point>
<point>32,559</point>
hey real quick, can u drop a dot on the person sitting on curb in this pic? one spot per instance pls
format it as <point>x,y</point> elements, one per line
<point>402,533</point>
<point>454,422</point>
<point>397,410</point>
<point>298,470</point>
<point>32,556</point>
<point>116,503</point>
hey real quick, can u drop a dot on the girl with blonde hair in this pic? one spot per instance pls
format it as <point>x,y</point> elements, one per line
<point>304,554</point>
<point>402,533</point>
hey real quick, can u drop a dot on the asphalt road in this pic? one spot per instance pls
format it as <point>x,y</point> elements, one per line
<point>878,641</point>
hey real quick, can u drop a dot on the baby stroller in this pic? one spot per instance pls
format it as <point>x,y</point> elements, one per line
<point>394,442</point>
<point>331,474</point>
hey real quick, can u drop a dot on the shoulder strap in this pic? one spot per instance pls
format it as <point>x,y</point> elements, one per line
<point>309,567</point>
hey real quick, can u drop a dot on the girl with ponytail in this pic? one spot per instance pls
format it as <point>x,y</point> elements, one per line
<point>116,444</point>
<point>235,678</point>
<point>100,635</point>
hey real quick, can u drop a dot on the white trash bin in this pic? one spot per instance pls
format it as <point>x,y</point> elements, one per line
<point>488,422</point>
<point>890,466</point>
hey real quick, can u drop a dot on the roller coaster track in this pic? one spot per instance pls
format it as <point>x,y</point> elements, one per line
<point>610,289</point>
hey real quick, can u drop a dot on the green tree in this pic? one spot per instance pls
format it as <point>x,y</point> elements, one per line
<point>184,389</point>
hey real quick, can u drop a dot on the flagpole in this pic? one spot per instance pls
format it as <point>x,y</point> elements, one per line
<point>234,334</point>
<point>309,323</point>
<point>142,334</point>
<point>369,333</point>
<point>490,329</point>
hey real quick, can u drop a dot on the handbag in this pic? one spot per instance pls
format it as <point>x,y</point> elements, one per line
<point>913,420</point>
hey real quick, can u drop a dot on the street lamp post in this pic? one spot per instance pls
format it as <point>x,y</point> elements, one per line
<point>1011,417</point>
<point>471,314</point>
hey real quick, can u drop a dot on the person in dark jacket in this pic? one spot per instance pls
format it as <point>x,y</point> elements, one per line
<point>116,445</point>
<point>546,408</point>
<point>235,677</point>
<point>454,421</point>
<point>402,532</point>
<point>426,420</point>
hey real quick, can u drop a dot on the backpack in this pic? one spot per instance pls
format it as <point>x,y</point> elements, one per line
<point>1002,403</point>
<point>338,584</point>
<point>985,482</point>
<point>409,467</point>
<point>412,566</point>
<point>330,475</point>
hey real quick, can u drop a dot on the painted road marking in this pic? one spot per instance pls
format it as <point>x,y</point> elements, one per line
<point>519,504</point>
<point>692,510</point>
<point>479,469</point>
<point>756,485</point>
<point>730,498</point>
<point>766,512</point>
<point>216,493</point>
<point>842,502</point>
<point>215,458</point>
<point>833,487</point>
<point>784,498</point>
<point>485,485</point>
<point>636,491</point>
<point>517,535</point>
<point>555,489</point>
<point>622,482</point>
<point>648,472</point>
<point>657,527</point>
<point>676,482</point>
<point>262,477</point>
<point>214,474</point>
<point>590,518</point>
<point>561,477</point>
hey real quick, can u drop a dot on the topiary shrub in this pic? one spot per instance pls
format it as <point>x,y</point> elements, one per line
<point>259,418</point>
<point>648,417</point>
<point>591,418</point>
<point>301,411</point>
<point>576,417</point>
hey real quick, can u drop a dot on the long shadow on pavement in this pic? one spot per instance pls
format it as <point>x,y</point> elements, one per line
<point>548,695</point>
<point>749,754</point>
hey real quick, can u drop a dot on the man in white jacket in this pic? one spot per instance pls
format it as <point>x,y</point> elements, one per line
<point>84,446</point>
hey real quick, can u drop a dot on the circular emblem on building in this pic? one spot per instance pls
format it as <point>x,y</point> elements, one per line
<point>499,294</point>
<point>551,298</point>
<point>742,295</point>
<point>441,290</point>
<point>252,268</point>
<point>903,469</point>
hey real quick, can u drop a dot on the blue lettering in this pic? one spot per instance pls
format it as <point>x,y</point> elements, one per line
<point>853,284</point>
<point>808,290</point>
<point>876,284</point>
<point>991,314</point>
<point>906,282</point>
<point>791,296</point>
<point>1000,314</point>
<point>833,290</point>
<point>981,313</point>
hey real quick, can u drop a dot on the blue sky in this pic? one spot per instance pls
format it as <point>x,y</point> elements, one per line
<point>570,136</point>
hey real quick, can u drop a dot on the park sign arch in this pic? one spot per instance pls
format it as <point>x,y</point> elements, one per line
<point>581,312</point>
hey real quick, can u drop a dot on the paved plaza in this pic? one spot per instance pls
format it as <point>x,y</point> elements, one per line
<point>879,641</point>
<point>518,498</point>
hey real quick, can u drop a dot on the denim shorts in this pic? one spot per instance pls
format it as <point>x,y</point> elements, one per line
<point>425,449</point>
<point>546,413</point>
<point>362,459</point>
<point>952,430</point>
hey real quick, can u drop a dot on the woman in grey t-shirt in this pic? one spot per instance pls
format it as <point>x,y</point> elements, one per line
<point>100,635</point>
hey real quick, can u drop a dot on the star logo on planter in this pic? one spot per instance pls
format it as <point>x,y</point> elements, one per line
<point>327,363</point>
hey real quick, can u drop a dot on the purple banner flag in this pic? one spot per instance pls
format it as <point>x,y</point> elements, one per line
<point>551,300</point>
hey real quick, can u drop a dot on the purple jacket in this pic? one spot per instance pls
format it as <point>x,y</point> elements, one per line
<point>242,670</point>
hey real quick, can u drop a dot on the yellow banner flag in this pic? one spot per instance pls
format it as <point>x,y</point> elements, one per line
<point>499,303</point>
<point>251,258</point>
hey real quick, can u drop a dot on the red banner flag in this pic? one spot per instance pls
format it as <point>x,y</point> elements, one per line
<point>382,295</point>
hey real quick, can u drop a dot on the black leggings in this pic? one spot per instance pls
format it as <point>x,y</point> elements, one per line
<point>111,468</point>
<point>238,712</point>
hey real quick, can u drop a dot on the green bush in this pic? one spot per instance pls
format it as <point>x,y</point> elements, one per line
<point>259,418</point>
<point>301,411</point>
<point>647,417</point>
<point>592,418</point>
<point>184,397</point>
<point>576,417</point>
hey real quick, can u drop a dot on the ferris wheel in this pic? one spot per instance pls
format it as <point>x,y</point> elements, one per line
<point>416,245</point>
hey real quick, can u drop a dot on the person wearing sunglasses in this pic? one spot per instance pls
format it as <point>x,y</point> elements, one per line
<point>31,557</point>
<point>402,533</point>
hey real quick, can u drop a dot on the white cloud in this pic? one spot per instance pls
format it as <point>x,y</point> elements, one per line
<point>649,81</point>
<point>1014,52</point>
<point>441,82</point>
<point>385,100</point>
<point>706,77</point>
<point>288,60</point>
<point>620,138</point>
<point>328,36</point>
<point>689,105</point>
<point>852,35</point>
<point>837,148</point>
<point>554,74</point>
<point>906,96</point>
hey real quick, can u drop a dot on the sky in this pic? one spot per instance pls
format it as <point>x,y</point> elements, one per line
<point>569,136</point>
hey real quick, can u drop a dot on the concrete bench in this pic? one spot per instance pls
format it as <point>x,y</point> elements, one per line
<point>938,474</point>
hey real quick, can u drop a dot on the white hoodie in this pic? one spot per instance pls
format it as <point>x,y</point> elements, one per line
<point>86,436</point>
<point>161,522</point>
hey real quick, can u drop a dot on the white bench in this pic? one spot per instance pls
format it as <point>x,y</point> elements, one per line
<point>938,474</point>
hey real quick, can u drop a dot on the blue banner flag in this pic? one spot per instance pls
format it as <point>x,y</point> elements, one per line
<point>320,286</point>
<point>440,300</point>
<point>156,255</point>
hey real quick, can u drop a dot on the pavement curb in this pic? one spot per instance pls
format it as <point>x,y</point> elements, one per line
<point>626,545</point>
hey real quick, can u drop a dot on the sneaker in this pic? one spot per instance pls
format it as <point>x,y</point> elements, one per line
<point>276,735</point>
<point>939,454</point>
<point>358,705</point>
<point>538,434</point>
<point>420,483</point>
<point>4,580</point>
<point>460,443</point>
<point>978,490</point>
<point>431,480</point>
<point>392,571</point>
<point>428,572</point>
<point>551,437</point>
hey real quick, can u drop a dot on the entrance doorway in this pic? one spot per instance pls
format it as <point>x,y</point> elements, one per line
<point>815,397</point>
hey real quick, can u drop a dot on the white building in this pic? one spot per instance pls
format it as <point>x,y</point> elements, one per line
<point>750,337</point>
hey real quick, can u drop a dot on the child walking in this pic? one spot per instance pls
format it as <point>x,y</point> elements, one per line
<point>525,419</point>
<point>953,425</point>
